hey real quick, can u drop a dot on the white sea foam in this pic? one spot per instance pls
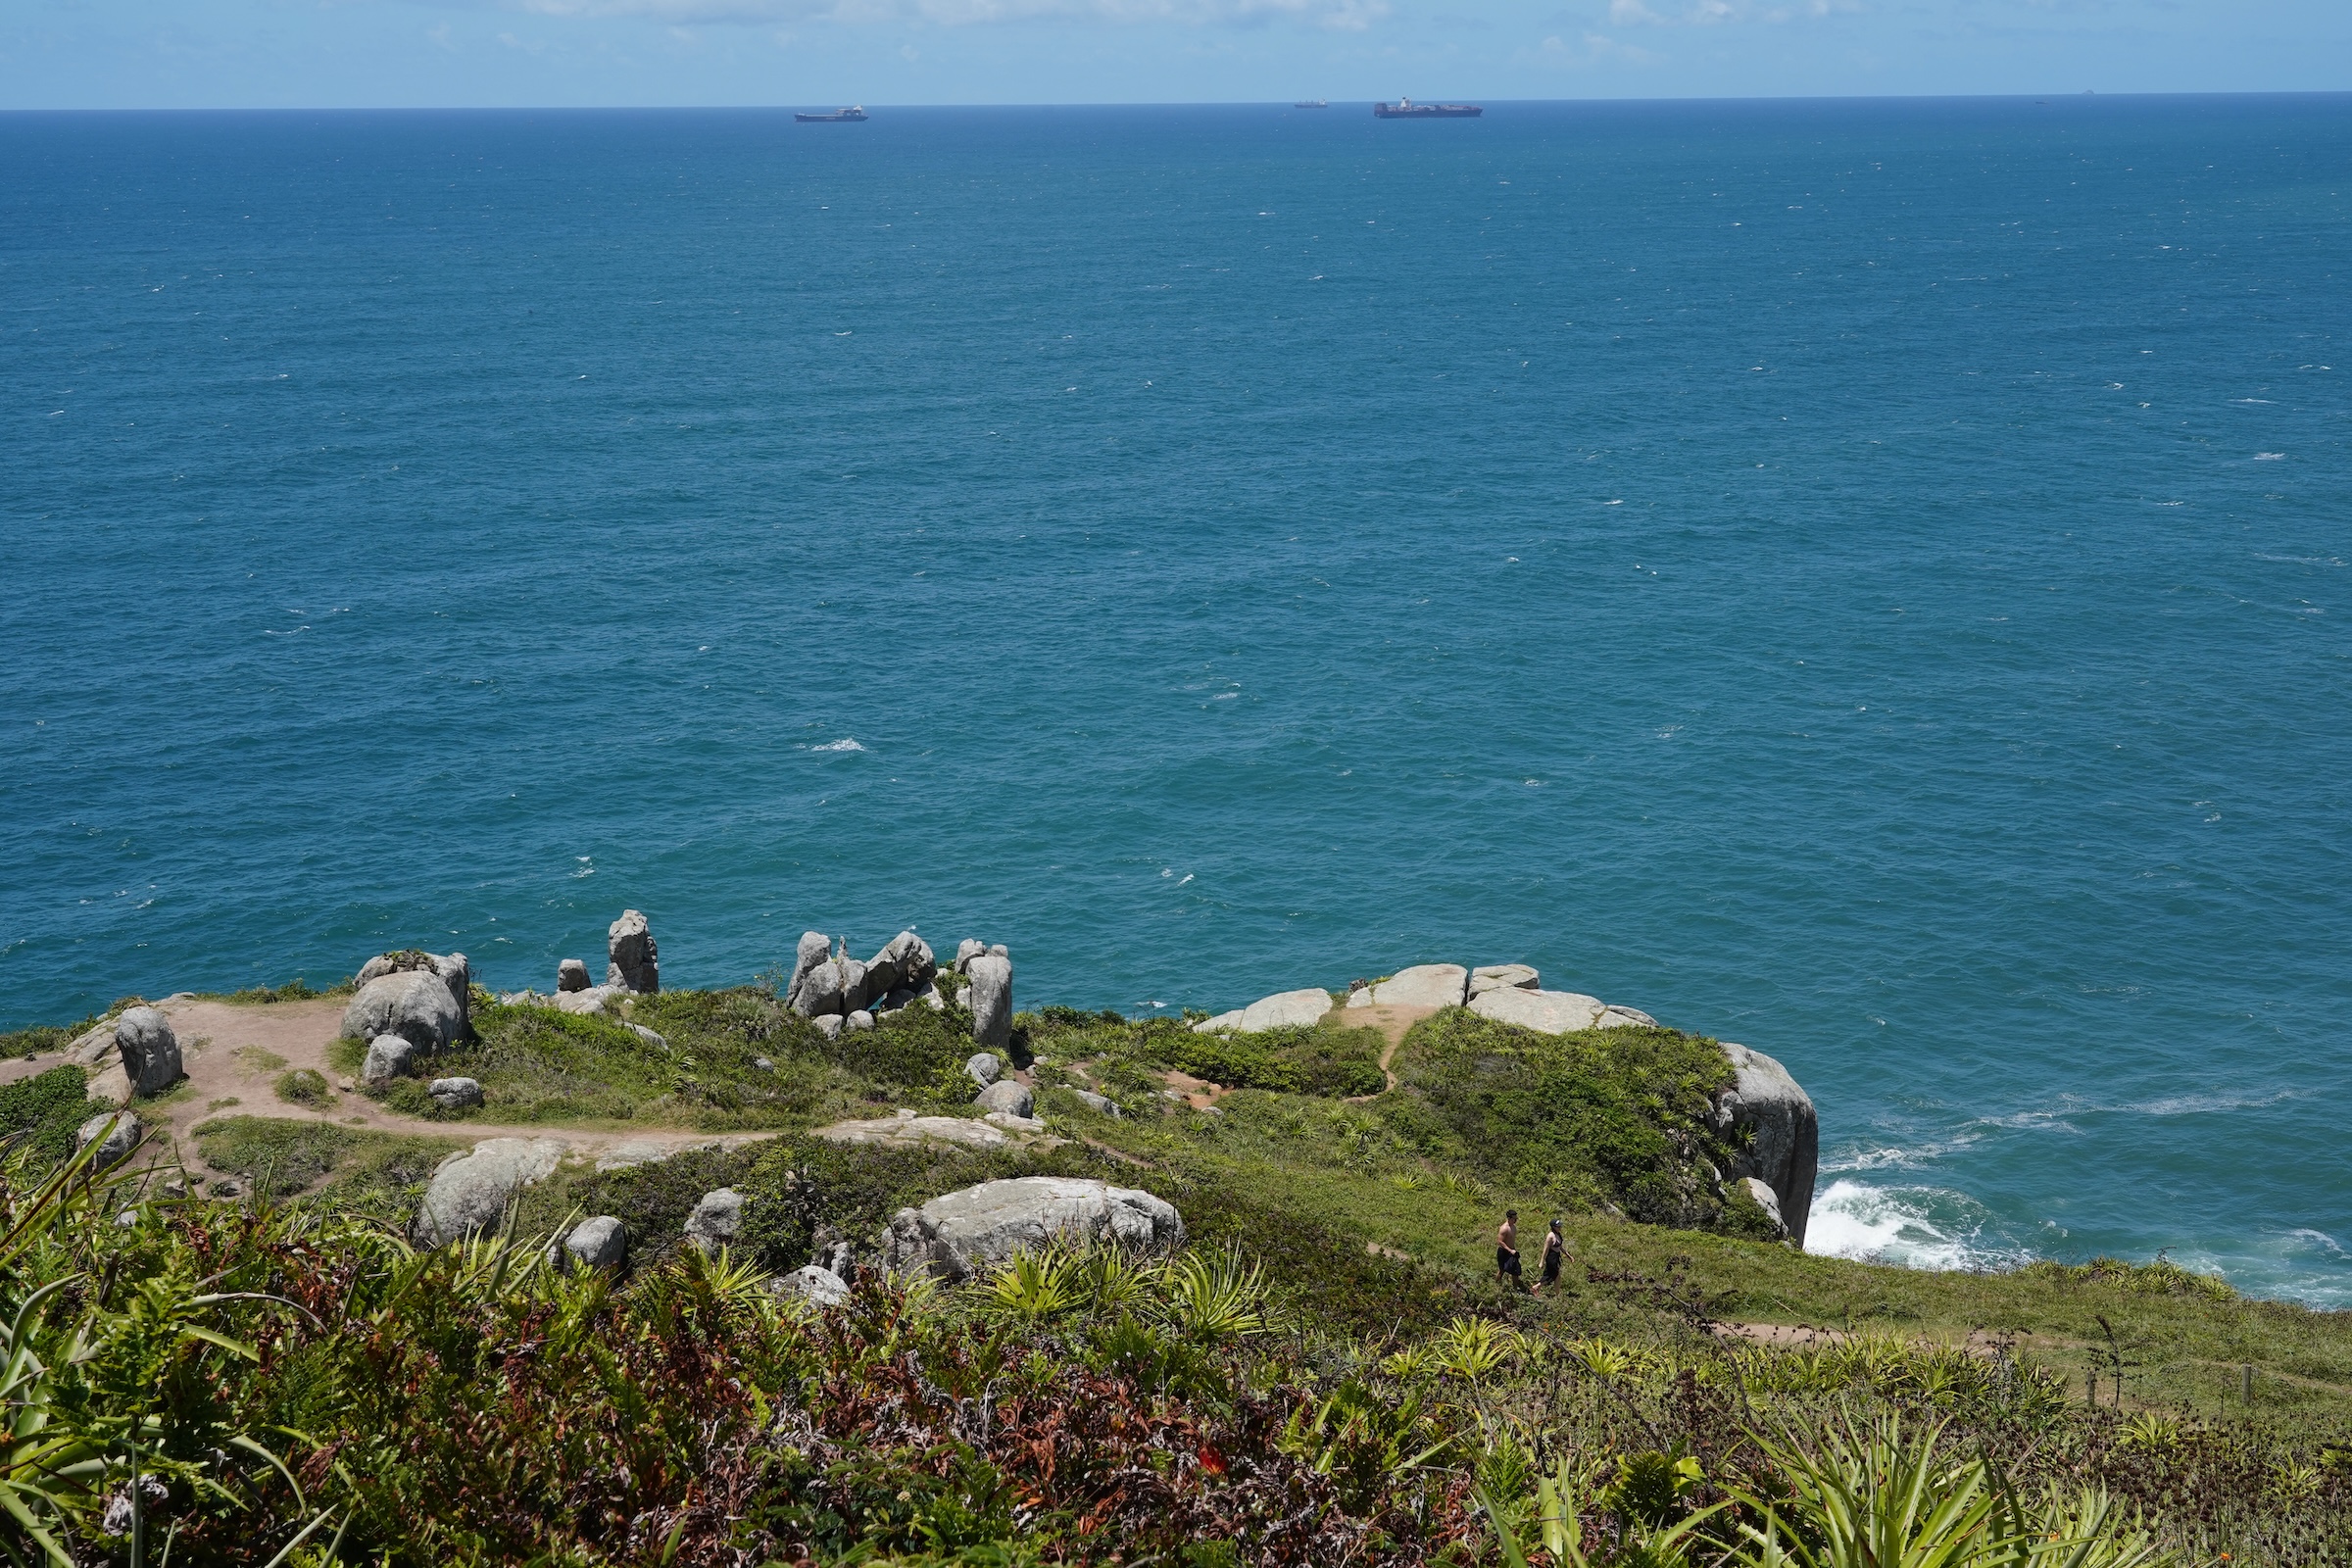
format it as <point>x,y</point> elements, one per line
<point>845,744</point>
<point>2268,457</point>
<point>1916,1226</point>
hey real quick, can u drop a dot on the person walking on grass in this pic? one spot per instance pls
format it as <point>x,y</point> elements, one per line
<point>1555,1246</point>
<point>1507,1247</point>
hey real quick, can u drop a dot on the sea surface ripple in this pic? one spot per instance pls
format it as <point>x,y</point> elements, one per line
<point>1863,579</point>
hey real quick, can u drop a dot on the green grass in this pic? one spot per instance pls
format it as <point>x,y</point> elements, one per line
<point>305,1087</point>
<point>280,1158</point>
<point>42,1111</point>
<point>1375,1218</point>
<point>541,1065</point>
<point>294,990</point>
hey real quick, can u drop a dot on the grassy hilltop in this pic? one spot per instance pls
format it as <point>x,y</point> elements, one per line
<point>1330,1373</point>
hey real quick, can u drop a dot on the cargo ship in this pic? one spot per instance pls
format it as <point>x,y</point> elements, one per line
<point>1312,103</point>
<point>1407,109</point>
<point>836,117</point>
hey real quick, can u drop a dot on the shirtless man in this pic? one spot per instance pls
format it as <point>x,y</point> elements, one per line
<point>1507,1247</point>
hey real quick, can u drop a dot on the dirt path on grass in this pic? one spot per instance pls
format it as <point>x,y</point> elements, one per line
<point>1392,1020</point>
<point>235,1055</point>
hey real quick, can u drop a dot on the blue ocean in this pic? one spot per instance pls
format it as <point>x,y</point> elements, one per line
<point>1864,579</point>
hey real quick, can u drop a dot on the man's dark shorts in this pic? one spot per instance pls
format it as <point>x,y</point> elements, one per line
<point>1506,1260</point>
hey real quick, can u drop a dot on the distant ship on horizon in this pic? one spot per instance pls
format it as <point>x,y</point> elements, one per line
<point>1407,109</point>
<point>837,117</point>
<point>1312,103</point>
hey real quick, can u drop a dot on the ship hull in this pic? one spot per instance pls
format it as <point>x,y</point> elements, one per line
<point>1427,112</point>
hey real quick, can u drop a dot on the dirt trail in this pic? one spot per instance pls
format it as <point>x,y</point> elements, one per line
<point>1392,1020</point>
<point>234,1053</point>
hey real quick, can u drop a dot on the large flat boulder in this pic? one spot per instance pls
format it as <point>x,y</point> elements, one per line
<point>1424,985</point>
<point>1498,977</point>
<point>416,1004</point>
<point>1784,1132</point>
<point>1288,1009</point>
<point>964,1232</point>
<point>469,1192</point>
<point>912,1132</point>
<point>1548,1012</point>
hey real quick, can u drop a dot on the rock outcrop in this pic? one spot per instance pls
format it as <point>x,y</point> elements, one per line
<point>1783,1134</point>
<point>469,1192</point>
<point>991,1001</point>
<point>962,1232</point>
<point>1498,977</point>
<point>815,948</point>
<point>909,1131</point>
<point>632,961</point>
<point>455,1094</point>
<point>1424,985</point>
<point>454,970</point>
<point>416,1004</point>
<point>1288,1009</point>
<point>984,1068</point>
<point>571,975</point>
<point>1551,1012</point>
<point>905,967</point>
<point>150,1051</point>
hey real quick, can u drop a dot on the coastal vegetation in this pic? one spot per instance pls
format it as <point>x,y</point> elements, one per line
<point>1329,1372</point>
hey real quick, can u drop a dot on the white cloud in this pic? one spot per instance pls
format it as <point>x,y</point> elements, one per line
<point>1351,16</point>
<point>1627,12</point>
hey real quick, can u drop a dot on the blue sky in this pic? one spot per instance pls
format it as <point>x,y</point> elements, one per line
<point>123,54</point>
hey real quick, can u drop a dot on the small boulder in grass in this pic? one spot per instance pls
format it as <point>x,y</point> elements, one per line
<point>571,975</point>
<point>599,1243</point>
<point>389,1056</point>
<point>455,1094</point>
<point>1013,1097</point>
<point>984,1068</point>
<point>716,1220</point>
<point>115,1132</point>
<point>814,1284</point>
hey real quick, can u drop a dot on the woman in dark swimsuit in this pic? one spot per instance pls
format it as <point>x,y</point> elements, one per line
<point>1553,1249</point>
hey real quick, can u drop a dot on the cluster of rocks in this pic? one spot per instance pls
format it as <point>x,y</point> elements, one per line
<point>837,991</point>
<point>1779,1156</point>
<point>949,1237</point>
<point>961,1233</point>
<point>632,968</point>
<point>410,1007</point>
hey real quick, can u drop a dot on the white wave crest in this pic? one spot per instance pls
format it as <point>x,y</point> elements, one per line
<point>845,744</point>
<point>1917,1227</point>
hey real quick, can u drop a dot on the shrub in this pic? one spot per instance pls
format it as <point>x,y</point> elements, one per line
<point>40,1114</point>
<point>1614,1115</point>
<point>304,1087</point>
<point>1327,1061</point>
